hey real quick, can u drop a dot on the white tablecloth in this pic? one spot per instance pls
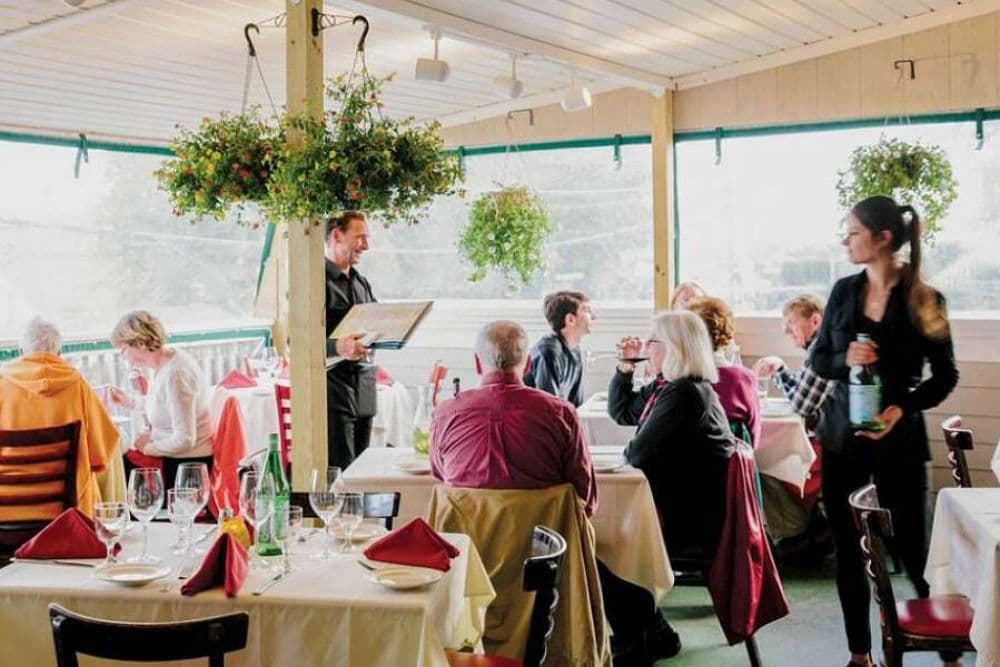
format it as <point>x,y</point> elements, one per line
<point>629,541</point>
<point>392,424</point>
<point>323,613</point>
<point>964,559</point>
<point>784,451</point>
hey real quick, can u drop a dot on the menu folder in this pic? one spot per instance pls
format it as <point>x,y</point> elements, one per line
<point>386,325</point>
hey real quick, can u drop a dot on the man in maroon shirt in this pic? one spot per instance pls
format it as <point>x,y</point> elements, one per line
<point>504,435</point>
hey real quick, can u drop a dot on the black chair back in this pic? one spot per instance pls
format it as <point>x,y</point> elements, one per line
<point>541,575</point>
<point>874,528</point>
<point>37,479</point>
<point>208,638</point>
<point>383,506</point>
<point>959,441</point>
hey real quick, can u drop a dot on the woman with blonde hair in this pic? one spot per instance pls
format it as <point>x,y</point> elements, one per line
<point>682,441</point>
<point>177,405</point>
<point>684,293</point>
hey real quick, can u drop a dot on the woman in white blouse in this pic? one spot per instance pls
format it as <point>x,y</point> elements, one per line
<point>177,404</point>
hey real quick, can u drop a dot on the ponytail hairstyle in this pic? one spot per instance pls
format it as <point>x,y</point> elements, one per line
<point>926,308</point>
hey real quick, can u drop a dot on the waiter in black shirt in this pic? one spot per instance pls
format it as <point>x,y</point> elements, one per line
<point>350,383</point>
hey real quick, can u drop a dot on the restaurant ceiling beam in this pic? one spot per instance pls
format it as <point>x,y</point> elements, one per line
<point>927,21</point>
<point>72,19</point>
<point>481,33</point>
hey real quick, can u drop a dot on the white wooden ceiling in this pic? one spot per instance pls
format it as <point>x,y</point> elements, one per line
<point>132,69</point>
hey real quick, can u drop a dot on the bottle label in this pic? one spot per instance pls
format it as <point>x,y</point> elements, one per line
<point>864,402</point>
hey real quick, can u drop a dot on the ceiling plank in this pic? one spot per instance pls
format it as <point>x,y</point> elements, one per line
<point>75,18</point>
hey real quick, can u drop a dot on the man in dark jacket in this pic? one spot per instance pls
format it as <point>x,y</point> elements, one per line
<point>350,380</point>
<point>555,363</point>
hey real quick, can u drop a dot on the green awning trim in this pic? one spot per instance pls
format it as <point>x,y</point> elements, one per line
<point>69,142</point>
<point>264,254</point>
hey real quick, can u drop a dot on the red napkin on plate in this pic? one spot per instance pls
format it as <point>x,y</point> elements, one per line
<point>69,535</point>
<point>237,380</point>
<point>225,563</point>
<point>414,543</point>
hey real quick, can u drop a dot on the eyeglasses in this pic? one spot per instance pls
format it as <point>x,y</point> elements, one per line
<point>651,340</point>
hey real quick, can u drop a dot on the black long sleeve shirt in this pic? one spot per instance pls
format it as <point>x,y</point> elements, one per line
<point>556,369</point>
<point>350,384</point>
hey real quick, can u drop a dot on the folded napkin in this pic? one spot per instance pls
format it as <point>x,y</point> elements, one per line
<point>140,460</point>
<point>414,543</point>
<point>382,377</point>
<point>225,563</point>
<point>237,380</point>
<point>69,535</point>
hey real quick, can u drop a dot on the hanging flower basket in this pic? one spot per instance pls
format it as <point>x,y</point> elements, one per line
<point>351,158</point>
<point>909,172</point>
<point>506,231</point>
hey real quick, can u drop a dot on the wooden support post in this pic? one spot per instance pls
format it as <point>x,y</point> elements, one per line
<point>306,289</point>
<point>662,108</point>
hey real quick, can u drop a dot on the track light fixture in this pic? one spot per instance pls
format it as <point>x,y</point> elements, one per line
<point>432,69</point>
<point>577,96</point>
<point>509,87</point>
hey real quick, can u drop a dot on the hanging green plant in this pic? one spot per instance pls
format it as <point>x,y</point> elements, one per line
<point>354,158</point>
<point>506,231</point>
<point>225,164</point>
<point>909,172</point>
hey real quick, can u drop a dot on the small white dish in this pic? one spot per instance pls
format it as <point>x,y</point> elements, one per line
<point>132,574</point>
<point>608,465</point>
<point>600,396</point>
<point>414,467</point>
<point>401,578</point>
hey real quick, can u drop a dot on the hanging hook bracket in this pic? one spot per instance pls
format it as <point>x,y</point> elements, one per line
<point>364,31</point>
<point>718,145</point>
<point>913,69</point>
<point>246,35</point>
<point>980,137</point>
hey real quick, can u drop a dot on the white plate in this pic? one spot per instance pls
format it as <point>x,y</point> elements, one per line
<point>132,574</point>
<point>401,578</point>
<point>776,407</point>
<point>414,467</point>
<point>600,396</point>
<point>608,465</point>
<point>365,531</point>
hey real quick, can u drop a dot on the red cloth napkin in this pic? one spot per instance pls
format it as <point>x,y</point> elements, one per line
<point>237,380</point>
<point>140,460</point>
<point>69,535</point>
<point>382,377</point>
<point>414,543</point>
<point>225,563</point>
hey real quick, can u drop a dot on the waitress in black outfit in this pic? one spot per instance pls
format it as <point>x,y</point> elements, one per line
<point>908,326</point>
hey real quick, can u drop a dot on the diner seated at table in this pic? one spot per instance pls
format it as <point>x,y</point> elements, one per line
<point>178,403</point>
<point>685,292</point>
<point>40,390</point>
<point>505,435</point>
<point>555,365</point>
<point>682,441</point>
<point>737,385</point>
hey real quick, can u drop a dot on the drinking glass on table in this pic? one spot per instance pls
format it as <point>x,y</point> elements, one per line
<point>253,512</point>
<point>763,386</point>
<point>145,498</point>
<point>195,476</point>
<point>294,533</point>
<point>110,521</point>
<point>182,506</point>
<point>352,513</point>
<point>326,502</point>
<point>271,362</point>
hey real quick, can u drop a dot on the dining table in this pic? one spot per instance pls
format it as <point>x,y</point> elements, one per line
<point>323,612</point>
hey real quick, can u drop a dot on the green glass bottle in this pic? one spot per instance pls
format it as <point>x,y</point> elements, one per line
<point>864,393</point>
<point>275,492</point>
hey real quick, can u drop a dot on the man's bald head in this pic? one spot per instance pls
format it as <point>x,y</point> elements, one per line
<point>502,346</point>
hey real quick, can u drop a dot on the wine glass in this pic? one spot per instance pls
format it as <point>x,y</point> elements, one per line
<point>145,498</point>
<point>110,521</point>
<point>182,506</point>
<point>352,512</point>
<point>293,534</point>
<point>271,362</point>
<point>194,476</point>
<point>326,502</point>
<point>253,512</point>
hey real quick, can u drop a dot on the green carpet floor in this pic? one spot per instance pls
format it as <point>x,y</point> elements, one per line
<point>811,636</point>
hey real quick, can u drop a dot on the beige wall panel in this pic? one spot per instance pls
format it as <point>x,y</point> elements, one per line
<point>550,122</point>
<point>881,85</point>
<point>706,106</point>
<point>638,120</point>
<point>839,85</point>
<point>798,95</point>
<point>455,136</point>
<point>931,89</point>
<point>974,57</point>
<point>757,100</point>
<point>610,113</point>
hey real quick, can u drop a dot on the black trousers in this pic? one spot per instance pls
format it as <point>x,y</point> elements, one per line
<point>630,609</point>
<point>347,436</point>
<point>902,489</point>
<point>170,470</point>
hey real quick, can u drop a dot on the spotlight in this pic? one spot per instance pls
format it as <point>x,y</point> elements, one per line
<point>74,3</point>
<point>509,86</point>
<point>576,97</point>
<point>432,69</point>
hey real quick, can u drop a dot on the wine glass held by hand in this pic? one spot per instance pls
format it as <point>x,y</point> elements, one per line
<point>145,498</point>
<point>110,521</point>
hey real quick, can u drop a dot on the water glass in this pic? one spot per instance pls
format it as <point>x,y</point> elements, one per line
<point>763,386</point>
<point>145,498</point>
<point>352,513</point>
<point>271,362</point>
<point>182,506</point>
<point>326,502</point>
<point>294,525</point>
<point>195,476</point>
<point>110,521</point>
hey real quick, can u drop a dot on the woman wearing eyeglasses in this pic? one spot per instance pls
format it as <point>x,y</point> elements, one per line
<point>683,442</point>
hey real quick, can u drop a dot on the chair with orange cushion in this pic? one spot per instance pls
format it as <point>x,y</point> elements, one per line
<point>959,441</point>
<point>541,575</point>
<point>926,624</point>
<point>37,480</point>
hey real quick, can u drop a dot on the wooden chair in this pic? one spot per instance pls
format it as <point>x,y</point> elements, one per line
<point>541,575</point>
<point>283,400</point>
<point>37,480</point>
<point>959,441</point>
<point>383,506</point>
<point>927,624</point>
<point>210,638</point>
